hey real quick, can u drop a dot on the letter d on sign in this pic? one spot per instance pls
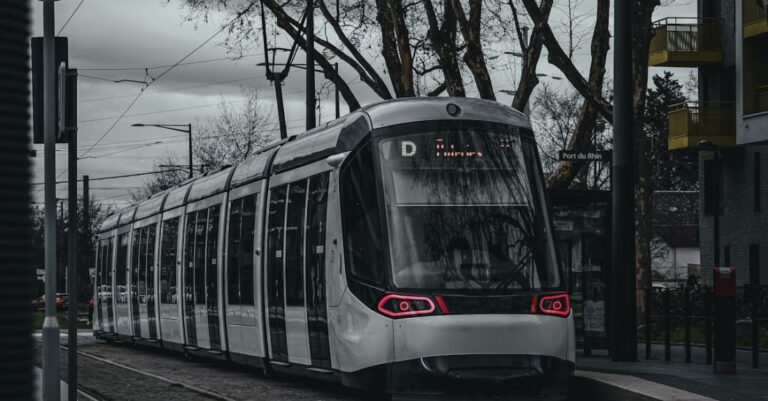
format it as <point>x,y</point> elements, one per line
<point>407,148</point>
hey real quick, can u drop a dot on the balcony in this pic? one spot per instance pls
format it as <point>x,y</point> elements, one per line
<point>755,18</point>
<point>762,99</point>
<point>693,122</point>
<point>686,42</point>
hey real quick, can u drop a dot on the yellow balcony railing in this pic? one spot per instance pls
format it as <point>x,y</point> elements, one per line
<point>755,17</point>
<point>686,42</point>
<point>692,122</point>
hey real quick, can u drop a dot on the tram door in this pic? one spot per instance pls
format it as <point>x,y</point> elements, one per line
<point>296,272</point>
<point>201,308</point>
<point>244,336</point>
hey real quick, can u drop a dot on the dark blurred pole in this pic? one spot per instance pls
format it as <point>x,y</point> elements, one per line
<point>667,304</point>
<point>189,133</point>
<point>310,32</point>
<point>17,280</point>
<point>624,311</point>
<point>648,304</point>
<point>72,281</point>
<point>338,104</point>
<point>51,391</point>
<point>687,317</point>
<point>708,325</point>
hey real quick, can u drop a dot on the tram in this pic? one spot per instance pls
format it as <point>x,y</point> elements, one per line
<point>405,248</point>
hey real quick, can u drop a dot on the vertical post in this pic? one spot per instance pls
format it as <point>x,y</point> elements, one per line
<point>189,132</point>
<point>667,337</point>
<point>280,106</point>
<point>310,32</point>
<point>72,265</point>
<point>716,215</point>
<point>708,326</point>
<point>50,324</point>
<point>338,104</point>
<point>648,304</point>
<point>88,238</point>
<point>687,322</point>
<point>624,311</point>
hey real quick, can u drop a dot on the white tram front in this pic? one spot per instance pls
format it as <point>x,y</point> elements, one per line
<point>405,248</point>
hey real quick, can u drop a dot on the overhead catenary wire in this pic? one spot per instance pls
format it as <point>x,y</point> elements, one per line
<point>164,73</point>
<point>70,17</point>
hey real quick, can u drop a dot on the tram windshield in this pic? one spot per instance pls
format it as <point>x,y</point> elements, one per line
<point>465,211</point>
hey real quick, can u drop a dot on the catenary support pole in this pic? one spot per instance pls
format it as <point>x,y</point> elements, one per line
<point>72,267</point>
<point>624,311</point>
<point>280,106</point>
<point>310,32</point>
<point>51,391</point>
<point>189,132</point>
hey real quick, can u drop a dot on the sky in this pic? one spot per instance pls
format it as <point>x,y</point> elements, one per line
<point>137,39</point>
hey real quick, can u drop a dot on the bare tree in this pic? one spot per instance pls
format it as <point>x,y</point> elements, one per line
<point>226,139</point>
<point>235,133</point>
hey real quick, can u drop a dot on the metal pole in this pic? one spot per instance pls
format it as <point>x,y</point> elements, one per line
<point>72,267</point>
<point>338,105</point>
<point>280,106</point>
<point>624,311</point>
<point>189,132</point>
<point>716,214</point>
<point>310,65</point>
<point>50,324</point>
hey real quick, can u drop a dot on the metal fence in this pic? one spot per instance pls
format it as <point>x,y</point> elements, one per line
<point>684,316</point>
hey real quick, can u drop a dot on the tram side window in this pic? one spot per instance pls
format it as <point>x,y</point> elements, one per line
<point>202,220</point>
<point>294,244</point>
<point>151,233</point>
<point>211,243</point>
<point>233,252</point>
<point>168,239</point>
<point>247,233</point>
<point>275,246</point>
<point>108,264</point>
<point>242,222</point>
<point>121,268</point>
<point>364,251</point>
<point>189,256</point>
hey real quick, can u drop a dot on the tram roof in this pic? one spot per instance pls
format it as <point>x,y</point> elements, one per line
<point>333,137</point>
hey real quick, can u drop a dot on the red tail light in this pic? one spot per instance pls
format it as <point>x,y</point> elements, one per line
<point>393,305</point>
<point>557,305</point>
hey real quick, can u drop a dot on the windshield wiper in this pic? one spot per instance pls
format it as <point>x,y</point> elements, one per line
<point>524,260</point>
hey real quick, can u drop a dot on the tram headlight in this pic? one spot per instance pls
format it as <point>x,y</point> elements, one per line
<point>396,306</point>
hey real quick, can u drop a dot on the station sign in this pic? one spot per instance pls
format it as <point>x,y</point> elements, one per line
<point>585,156</point>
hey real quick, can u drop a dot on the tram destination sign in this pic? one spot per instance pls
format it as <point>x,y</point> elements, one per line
<point>585,156</point>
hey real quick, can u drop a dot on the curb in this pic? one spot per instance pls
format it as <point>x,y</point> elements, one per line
<point>598,386</point>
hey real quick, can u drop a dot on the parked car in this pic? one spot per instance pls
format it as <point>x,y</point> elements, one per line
<point>62,302</point>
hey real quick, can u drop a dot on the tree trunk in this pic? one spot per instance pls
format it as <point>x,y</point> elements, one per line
<point>584,132</point>
<point>531,55</point>
<point>443,40</point>
<point>473,57</point>
<point>395,46</point>
<point>641,36</point>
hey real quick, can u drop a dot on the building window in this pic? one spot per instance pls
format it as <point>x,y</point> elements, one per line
<point>712,177</point>
<point>757,182</point>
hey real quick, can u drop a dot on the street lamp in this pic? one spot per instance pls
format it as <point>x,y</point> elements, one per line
<point>175,127</point>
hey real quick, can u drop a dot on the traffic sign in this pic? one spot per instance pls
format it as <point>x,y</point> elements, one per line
<point>585,156</point>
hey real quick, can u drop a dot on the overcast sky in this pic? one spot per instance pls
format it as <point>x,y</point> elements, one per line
<point>118,39</point>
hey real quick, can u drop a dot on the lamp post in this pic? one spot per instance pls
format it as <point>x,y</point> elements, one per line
<point>175,127</point>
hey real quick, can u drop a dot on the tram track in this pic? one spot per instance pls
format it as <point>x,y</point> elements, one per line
<point>198,390</point>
